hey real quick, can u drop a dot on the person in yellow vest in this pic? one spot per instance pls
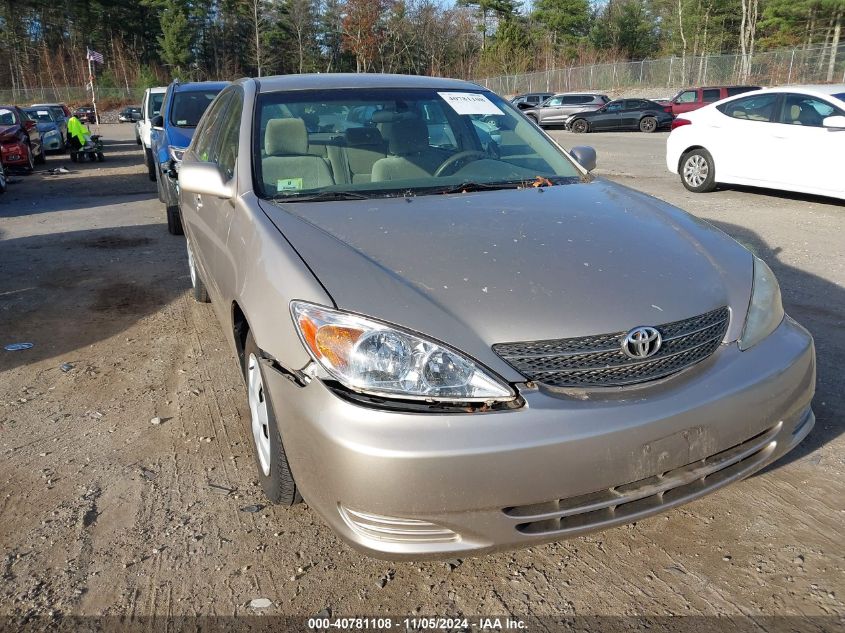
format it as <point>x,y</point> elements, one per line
<point>77,133</point>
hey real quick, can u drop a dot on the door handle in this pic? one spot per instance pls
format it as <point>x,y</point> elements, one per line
<point>199,201</point>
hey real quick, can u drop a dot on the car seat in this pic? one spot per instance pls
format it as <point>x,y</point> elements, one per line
<point>288,165</point>
<point>411,155</point>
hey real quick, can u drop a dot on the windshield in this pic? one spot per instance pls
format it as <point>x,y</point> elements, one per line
<point>58,113</point>
<point>363,143</point>
<point>43,116</point>
<point>189,106</point>
<point>154,104</point>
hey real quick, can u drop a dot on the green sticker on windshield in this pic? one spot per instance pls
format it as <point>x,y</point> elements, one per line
<point>289,184</point>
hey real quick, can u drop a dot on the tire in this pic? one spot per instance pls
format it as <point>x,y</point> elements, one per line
<point>73,157</point>
<point>200,291</point>
<point>174,221</point>
<point>2,179</point>
<point>698,171</point>
<point>151,168</point>
<point>579,126</point>
<point>648,124</point>
<point>42,157</point>
<point>270,458</point>
<point>30,160</point>
<point>100,157</point>
<point>138,140</point>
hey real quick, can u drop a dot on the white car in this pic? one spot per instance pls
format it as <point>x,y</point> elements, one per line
<point>790,138</point>
<point>150,108</point>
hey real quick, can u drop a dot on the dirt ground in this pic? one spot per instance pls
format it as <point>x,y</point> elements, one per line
<point>104,513</point>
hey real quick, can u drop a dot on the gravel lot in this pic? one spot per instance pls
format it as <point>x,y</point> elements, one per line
<point>102,512</point>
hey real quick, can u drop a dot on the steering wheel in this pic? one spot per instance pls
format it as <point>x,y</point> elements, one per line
<point>456,158</point>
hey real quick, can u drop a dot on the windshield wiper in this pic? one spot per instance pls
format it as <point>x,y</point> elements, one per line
<point>321,197</point>
<point>483,186</point>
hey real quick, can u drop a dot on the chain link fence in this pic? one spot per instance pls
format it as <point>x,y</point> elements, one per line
<point>822,64</point>
<point>60,94</point>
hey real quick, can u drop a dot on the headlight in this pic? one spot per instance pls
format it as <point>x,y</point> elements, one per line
<point>51,133</point>
<point>379,359</point>
<point>176,153</point>
<point>765,310</point>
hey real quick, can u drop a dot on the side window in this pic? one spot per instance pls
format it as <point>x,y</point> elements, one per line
<point>225,152</point>
<point>206,132</point>
<point>738,90</point>
<point>634,104</point>
<point>687,96</point>
<point>616,106</point>
<point>803,110</point>
<point>711,94</point>
<point>554,101</point>
<point>757,108</point>
<point>570,100</point>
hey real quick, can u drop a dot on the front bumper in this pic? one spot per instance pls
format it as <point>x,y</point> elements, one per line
<point>410,485</point>
<point>53,143</point>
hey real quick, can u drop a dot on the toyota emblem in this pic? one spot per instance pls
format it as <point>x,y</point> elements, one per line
<point>641,342</point>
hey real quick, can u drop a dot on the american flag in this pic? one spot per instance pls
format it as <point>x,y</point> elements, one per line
<point>94,56</point>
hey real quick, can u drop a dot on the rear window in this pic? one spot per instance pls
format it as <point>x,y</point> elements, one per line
<point>189,106</point>
<point>711,94</point>
<point>738,90</point>
<point>840,96</point>
<point>7,117</point>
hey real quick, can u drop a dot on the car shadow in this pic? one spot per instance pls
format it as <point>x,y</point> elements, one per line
<point>64,185</point>
<point>784,195</point>
<point>62,292</point>
<point>819,305</point>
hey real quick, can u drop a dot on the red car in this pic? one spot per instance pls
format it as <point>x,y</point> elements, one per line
<point>20,141</point>
<point>85,114</point>
<point>691,99</point>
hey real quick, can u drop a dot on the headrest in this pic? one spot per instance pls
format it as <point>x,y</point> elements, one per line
<point>286,137</point>
<point>794,112</point>
<point>407,137</point>
<point>363,136</point>
<point>390,116</point>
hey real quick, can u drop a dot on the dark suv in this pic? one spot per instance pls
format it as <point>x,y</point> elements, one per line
<point>530,99</point>
<point>557,109</point>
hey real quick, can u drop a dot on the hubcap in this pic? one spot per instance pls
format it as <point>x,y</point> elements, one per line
<point>696,170</point>
<point>648,125</point>
<point>191,267</point>
<point>258,412</point>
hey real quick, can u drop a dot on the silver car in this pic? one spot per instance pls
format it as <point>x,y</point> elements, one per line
<point>557,109</point>
<point>455,349</point>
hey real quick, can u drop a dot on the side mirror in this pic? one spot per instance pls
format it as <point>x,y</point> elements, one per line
<point>29,125</point>
<point>204,178</point>
<point>835,122</point>
<point>586,156</point>
<point>158,121</point>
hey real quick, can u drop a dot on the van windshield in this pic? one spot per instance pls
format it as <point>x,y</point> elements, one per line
<point>370,142</point>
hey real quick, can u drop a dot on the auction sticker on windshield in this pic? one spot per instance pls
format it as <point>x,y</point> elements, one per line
<point>470,103</point>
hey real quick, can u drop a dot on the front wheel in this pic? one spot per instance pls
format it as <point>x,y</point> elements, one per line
<point>200,292</point>
<point>30,160</point>
<point>42,157</point>
<point>151,168</point>
<point>174,221</point>
<point>579,126</point>
<point>698,172</point>
<point>273,469</point>
<point>648,124</point>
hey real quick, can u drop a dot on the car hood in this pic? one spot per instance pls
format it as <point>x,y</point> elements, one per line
<point>8,129</point>
<point>476,269</point>
<point>180,136</point>
<point>46,127</point>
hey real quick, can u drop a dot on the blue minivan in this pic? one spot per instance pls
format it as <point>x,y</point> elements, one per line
<point>172,131</point>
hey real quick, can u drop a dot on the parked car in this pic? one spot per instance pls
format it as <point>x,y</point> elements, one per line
<point>20,141</point>
<point>172,130</point>
<point>530,99</point>
<point>130,114</point>
<point>691,99</point>
<point>621,115</point>
<point>451,351</point>
<point>790,138</point>
<point>557,109</point>
<point>150,108</point>
<point>86,114</point>
<point>61,113</point>
<point>50,130</point>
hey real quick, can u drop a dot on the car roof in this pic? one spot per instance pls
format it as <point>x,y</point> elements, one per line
<point>46,105</point>
<point>157,90</point>
<point>199,85</point>
<point>823,89</point>
<point>356,80</point>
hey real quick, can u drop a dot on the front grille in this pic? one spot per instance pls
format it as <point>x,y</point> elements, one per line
<point>629,502</point>
<point>598,361</point>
